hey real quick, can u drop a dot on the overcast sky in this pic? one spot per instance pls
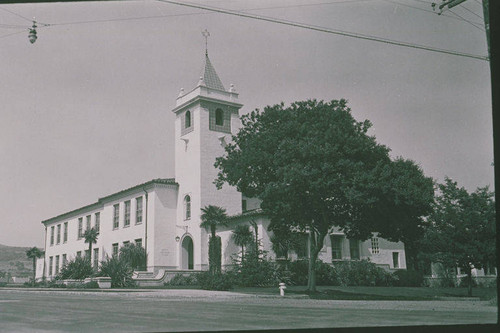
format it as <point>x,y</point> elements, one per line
<point>86,110</point>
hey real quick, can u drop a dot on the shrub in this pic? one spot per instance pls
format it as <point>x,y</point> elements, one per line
<point>182,280</point>
<point>77,269</point>
<point>134,255</point>
<point>408,278</point>
<point>218,281</point>
<point>119,271</point>
<point>87,285</point>
<point>325,273</point>
<point>361,273</point>
<point>463,282</point>
<point>3,284</point>
<point>254,271</point>
<point>298,272</point>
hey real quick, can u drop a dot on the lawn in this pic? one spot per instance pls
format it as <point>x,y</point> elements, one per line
<point>375,293</point>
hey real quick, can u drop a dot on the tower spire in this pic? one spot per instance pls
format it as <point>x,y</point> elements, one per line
<point>206,34</point>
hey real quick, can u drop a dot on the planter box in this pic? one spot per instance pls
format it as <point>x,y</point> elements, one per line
<point>104,282</point>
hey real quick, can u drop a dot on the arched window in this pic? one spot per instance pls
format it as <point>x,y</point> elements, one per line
<point>219,117</point>
<point>187,120</point>
<point>187,207</point>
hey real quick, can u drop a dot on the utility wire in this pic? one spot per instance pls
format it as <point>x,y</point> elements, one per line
<point>464,19</point>
<point>467,9</point>
<point>13,33</point>
<point>200,13</point>
<point>326,30</point>
<point>126,19</point>
<point>11,26</point>
<point>422,9</point>
<point>23,17</point>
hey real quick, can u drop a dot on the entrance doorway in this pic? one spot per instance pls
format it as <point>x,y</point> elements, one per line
<point>187,253</point>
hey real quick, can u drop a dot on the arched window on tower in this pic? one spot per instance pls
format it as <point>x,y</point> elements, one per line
<point>187,207</point>
<point>219,117</point>
<point>187,120</point>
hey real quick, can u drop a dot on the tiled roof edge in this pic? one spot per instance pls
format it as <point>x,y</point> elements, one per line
<point>100,201</point>
<point>248,213</point>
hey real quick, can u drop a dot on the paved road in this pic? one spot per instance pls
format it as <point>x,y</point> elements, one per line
<point>180,310</point>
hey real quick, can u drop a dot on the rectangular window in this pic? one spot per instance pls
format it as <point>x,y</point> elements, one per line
<point>138,242</point>
<point>98,222</point>
<point>87,254</point>
<point>52,235</point>
<point>64,259</point>
<point>354,249</point>
<point>138,210</point>
<point>88,222</point>
<point>115,249</point>
<point>127,214</point>
<point>244,205</point>
<point>65,234</point>
<point>336,241</point>
<point>96,257</point>
<point>57,265</point>
<point>126,243</point>
<point>80,227</point>
<point>79,254</point>
<point>395,259</point>
<point>375,249</point>
<point>116,216</point>
<point>51,263</point>
<point>58,234</point>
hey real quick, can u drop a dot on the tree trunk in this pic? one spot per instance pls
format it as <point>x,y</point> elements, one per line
<point>90,253</point>
<point>34,270</point>
<point>214,255</point>
<point>315,245</point>
<point>469,282</point>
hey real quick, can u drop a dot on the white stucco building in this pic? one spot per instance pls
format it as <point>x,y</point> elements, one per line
<point>163,215</point>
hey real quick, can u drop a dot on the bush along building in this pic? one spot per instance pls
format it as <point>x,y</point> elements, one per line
<point>163,215</point>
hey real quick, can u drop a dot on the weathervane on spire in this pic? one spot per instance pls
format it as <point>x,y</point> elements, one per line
<point>206,34</point>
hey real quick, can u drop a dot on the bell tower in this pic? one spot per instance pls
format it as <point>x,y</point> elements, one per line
<point>206,118</point>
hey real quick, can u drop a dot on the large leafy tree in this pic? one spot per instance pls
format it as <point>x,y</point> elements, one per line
<point>461,231</point>
<point>34,253</point>
<point>211,218</point>
<point>401,197</point>
<point>314,167</point>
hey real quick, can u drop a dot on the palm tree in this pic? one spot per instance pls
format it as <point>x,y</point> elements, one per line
<point>212,217</point>
<point>34,253</point>
<point>90,236</point>
<point>242,236</point>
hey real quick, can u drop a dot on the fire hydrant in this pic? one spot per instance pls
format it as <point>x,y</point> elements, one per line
<point>282,289</point>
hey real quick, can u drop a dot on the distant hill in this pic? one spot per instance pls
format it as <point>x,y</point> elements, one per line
<point>13,260</point>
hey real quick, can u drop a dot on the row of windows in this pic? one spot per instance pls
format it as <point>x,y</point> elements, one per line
<point>55,261</point>
<point>337,241</point>
<point>126,213</point>
<point>55,237</point>
<point>115,248</point>
<point>97,224</point>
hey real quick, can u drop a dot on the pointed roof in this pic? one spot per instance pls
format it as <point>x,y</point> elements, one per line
<point>210,77</point>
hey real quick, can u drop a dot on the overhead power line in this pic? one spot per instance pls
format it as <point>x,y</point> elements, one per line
<point>465,20</point>
<point>16,14</point>
<point>326,30</point>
